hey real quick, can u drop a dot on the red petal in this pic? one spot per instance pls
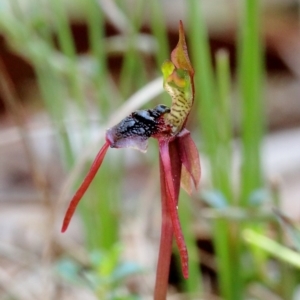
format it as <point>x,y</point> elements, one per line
<point>189,156</point>
<point>172,201</point>
<point>84,186</point>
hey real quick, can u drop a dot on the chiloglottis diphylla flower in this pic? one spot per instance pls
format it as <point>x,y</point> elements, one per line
<point>179,157</point>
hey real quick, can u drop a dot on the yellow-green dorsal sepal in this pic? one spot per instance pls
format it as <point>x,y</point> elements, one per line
<point>177,78</point>
<point>178,82</point>
<point>167,69</point>
<point>179,56</point>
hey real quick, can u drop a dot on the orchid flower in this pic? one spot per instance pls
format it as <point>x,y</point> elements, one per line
<point>178,155</point>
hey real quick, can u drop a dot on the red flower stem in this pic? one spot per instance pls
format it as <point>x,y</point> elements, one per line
<point>171,160</point>
<point>84,186</point>
<point>165,248</point>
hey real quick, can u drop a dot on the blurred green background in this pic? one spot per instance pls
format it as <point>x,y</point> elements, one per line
<point>71,69</point>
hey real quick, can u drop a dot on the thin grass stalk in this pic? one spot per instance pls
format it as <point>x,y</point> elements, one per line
<point>68,48</point>
<point>224,126</point>
<point>251,78</point>
<point>205,82</point>
<point>252,125</point>
<point>159,30</point>
<point>96,26</point>
<point>229,249</point>
<point>133,70</point>
<point>46,32</point>
<point>52,92</point>
<point>129,67</point>
<point>204,78</point>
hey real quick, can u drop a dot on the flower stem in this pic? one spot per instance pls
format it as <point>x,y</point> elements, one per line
<point>165,249</point>
<point>171,159</point>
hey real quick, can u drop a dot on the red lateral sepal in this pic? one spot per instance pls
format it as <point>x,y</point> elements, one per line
<point>189,156</point>
<point>84,186</point>
<point>172,200</point>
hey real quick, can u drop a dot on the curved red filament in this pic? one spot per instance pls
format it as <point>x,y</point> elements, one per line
<point>84,186</point>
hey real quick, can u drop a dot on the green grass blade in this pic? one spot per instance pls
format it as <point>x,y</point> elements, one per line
<point>159,30</point>
<point>224,127</point>
<point>66,43</point>
<point>251,79</point>
<point>205,85</point>
<point>96,25</point>
<point>204,78</point>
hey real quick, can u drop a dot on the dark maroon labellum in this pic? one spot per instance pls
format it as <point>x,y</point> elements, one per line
<point>134,130</point>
